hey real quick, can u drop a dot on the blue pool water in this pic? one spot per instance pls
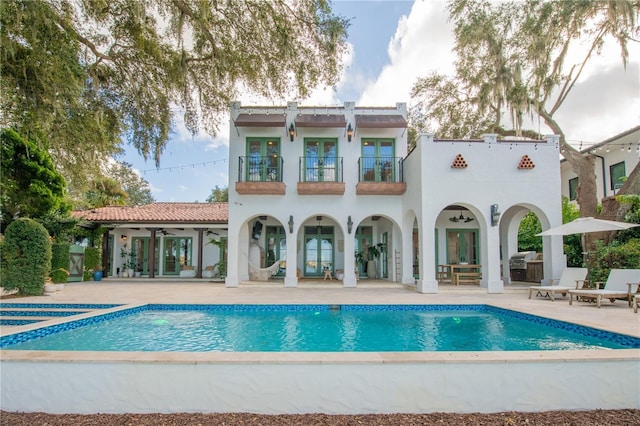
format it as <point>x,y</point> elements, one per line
<point>315,328</point>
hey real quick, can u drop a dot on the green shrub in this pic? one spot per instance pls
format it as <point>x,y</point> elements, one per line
<point>3,261</point>
<point>27,251</point>
<point>92,262</point>
<point>59,262</point>
<point>614,256</point>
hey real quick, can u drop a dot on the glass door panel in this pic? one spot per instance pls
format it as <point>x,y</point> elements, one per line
<point>364,239</point>
<point>462,246</point>
<point>311,256</point>
<point>277,248</point>
<point>171,263</point>
<point>272,171</point>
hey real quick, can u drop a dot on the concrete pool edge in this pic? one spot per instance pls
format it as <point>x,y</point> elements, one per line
<point>320,357</point>
<point>336,383</point>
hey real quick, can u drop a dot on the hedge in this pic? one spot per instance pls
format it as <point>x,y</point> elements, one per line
<point>27,252</point>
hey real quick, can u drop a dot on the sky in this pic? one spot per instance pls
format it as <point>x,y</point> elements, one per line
<point>391,44</point>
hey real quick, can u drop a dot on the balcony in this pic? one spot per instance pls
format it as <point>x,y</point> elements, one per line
<point>380,176</point>
<point>260,175</point>
<point>320,176</point>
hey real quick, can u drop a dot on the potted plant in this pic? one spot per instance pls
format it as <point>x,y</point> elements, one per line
<point>128,262</point>
<point>373,252</point>
<point>97,274</point>
<point>361,258</point>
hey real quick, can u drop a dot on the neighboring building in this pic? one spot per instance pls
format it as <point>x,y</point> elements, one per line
<point>615,157</point>
<point>178,234</point>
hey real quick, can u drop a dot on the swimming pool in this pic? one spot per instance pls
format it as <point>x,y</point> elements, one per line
<point>316,328</point>
<point>310,382</point>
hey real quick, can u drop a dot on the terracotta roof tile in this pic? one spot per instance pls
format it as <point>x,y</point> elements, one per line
<point>158,213</point>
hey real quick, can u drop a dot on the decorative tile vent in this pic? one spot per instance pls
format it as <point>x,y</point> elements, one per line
<point>526,163</point>
<point>459,162</point>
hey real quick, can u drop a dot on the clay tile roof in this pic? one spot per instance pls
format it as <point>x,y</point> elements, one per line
<point>158,213</point>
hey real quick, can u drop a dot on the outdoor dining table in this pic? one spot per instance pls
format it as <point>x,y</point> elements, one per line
<point>455,268</point>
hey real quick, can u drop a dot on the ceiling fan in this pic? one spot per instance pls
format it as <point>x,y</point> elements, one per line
<point>164,232</point>
<point>461,218</point>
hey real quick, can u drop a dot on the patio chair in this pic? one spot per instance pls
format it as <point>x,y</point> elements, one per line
<point>621,284</point>
<point>571,279</point>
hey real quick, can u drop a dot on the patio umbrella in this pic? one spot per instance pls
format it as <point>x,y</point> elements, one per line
<point>586,225</point>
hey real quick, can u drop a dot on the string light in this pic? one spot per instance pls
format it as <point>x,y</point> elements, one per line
<point>182,166</point>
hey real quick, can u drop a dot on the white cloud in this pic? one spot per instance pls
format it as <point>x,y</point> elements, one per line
<point>422,43</point>
<point>604,102</point>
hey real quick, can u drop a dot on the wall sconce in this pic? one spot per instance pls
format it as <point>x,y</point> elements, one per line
<point>291,224</point>
<point>124,237</point>
<point>349,132</point>
<point>292,132</point>
<point>349,224</point>
<point>495,215</point>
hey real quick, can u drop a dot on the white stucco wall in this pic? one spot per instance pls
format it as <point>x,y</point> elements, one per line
<point>335,209</point>
<point>378,384</point>
<point>491,177</point>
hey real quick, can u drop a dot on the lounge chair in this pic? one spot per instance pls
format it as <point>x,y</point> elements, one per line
<point>621,284</point>
<point>571,279</point>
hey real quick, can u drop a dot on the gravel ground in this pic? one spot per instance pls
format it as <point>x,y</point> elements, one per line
<point>555,418</point>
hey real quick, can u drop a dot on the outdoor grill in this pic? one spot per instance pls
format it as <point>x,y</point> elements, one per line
<point>518,264</point>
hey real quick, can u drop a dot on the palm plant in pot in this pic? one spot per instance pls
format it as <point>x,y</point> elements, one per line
<point>368,258</point>
<point>373,253</point>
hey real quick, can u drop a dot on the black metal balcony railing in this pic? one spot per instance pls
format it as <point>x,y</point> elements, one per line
<point>380,169</point>
<point>260,169</point>
<point>320,169</point>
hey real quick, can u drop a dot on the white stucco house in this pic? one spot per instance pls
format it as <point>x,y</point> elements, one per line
<point>312,189</point>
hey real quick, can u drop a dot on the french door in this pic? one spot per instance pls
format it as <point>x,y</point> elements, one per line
<point>177,252</point>
<point>141,248</point>
<point>462,246</point>
<point>321,156</point>
<point>378,160</point>
<point>263,156</point>
<point>318,250</point>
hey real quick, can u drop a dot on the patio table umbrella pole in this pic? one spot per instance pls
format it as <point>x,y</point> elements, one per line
<point>584,226</point>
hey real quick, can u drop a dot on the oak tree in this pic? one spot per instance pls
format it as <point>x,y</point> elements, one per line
<point>513,59</point>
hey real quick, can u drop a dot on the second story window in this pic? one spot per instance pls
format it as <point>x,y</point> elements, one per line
<point>263,160</point>
<point>378,163</point>
<point>321,161</point>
